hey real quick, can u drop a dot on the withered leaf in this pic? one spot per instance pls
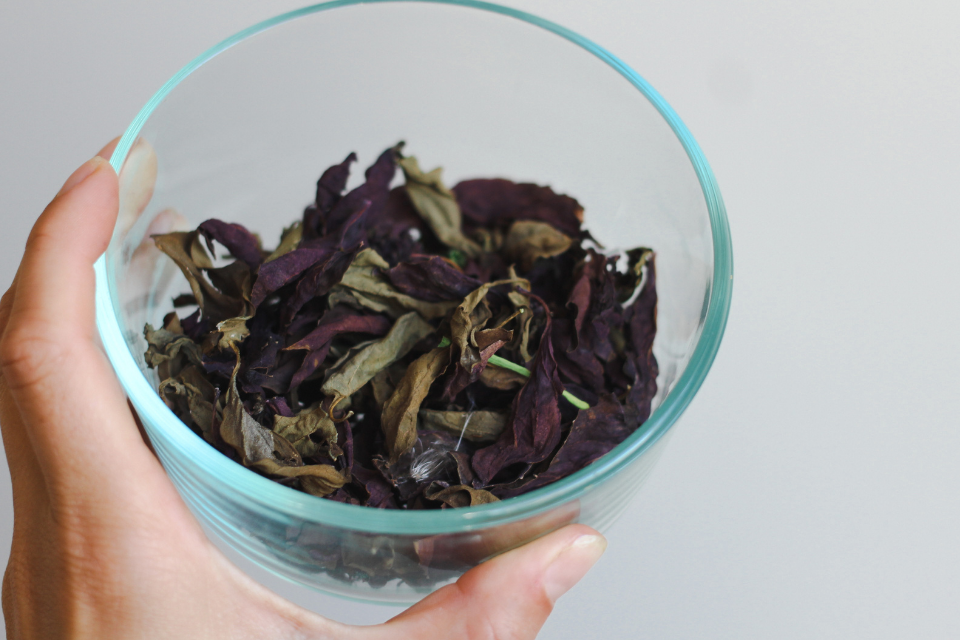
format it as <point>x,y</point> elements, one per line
<point>241,244</point>
<point>366,286</point>
<point>399,417</point>
<point>257,446</point>
<point>186,250</point>
<point>528,240</point>
<point>459,495</point>
<point>533,430</point>
<point>298,429</point>
<point>475,426</point>
<point>289,241</point>
<point>356,370</point>
<point>319,362</point>
<point>437,206</point>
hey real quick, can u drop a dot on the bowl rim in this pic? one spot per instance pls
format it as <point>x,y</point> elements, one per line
<point>385,521</point>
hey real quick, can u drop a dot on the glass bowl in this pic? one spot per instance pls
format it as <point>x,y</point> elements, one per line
<point>242,133</point>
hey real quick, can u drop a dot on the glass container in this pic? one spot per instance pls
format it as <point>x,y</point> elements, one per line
<point>244,130</point>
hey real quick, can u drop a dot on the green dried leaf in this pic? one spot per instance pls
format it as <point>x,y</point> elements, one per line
<point>191,396</point>
<point>399,417</point>
<point>289,240</point>
<point>437,206</point>
<point>476,426</point>
<point>528,240</point>
<point>298,429</point>
<point>364,286</point>
<point>460,496</point>
<point>465,320</point>
<point>169,352</point>
<point>360,365</point>
<point>257,446</point>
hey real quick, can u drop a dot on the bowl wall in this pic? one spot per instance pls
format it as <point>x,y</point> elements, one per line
<point>242,135</point>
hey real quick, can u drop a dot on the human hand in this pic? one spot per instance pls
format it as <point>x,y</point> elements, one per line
<point>104,547</point>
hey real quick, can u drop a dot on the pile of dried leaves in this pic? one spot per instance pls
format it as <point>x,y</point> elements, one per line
<point>415,347</point>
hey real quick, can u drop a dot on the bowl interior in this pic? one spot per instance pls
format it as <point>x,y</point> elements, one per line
<point>244,137</point>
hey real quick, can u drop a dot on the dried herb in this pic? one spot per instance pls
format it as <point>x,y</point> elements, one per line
<point>412,347</point>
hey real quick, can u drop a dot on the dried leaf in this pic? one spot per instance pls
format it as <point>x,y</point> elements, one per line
<point>528,240</point>
<point>366,286</point>
<point>185,249</point>
<point>351,373</point>
<point>298,429</point>
<point>534,427</point>
<point>257,446</point>
<point>437,206</point>
<point>497,203</point>
<point>475,426</point>
<point>399,417</point>
<point>241,244</point>
<point>460,496</point>
<point>433,279</point>
<point>289,240</point>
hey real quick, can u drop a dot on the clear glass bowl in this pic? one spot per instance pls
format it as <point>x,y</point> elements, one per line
<point>243,132</point>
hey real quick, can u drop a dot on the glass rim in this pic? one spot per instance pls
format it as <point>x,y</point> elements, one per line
<point>400,522</point>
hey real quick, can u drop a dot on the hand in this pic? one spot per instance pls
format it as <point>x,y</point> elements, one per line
<point>103,546</point>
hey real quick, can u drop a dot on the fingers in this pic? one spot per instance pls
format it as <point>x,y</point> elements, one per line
<point>25,474</point>
<point>72,408</point>
<point>506,598</point>
<point>138,176</point>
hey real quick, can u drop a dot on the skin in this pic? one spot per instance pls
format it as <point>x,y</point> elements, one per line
<point>103,546</point>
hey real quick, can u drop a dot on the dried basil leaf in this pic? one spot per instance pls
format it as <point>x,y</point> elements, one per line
<point>437,206</point>
<point>475,426</point>
<point>459,496</point>
<point>399,417</point>
<point>351,373</point>
<point>528,240</point>
<point>365,286</point>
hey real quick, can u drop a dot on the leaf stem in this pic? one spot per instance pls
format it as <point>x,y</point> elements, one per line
<point>516,368</point>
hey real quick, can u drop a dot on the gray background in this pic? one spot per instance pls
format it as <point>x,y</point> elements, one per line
<point>811,489</point>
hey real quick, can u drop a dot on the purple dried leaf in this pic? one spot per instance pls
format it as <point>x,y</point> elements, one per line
<point>241,244</point>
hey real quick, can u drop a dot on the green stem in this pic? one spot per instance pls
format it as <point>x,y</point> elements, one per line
<point>516,368</point>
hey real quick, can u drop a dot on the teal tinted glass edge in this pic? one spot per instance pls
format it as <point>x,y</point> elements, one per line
<point>441,521</point>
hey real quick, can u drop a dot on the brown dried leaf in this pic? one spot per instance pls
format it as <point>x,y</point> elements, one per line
<point>399,417</point>
<point>528,240</point>
<point>476,426</point>
<point>502,379</point>
<point>186,250</point>
<point>460,496</point>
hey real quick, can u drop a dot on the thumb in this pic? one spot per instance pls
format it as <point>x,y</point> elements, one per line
<point>506,598</point>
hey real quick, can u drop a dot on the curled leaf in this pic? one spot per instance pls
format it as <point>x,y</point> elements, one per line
<point>437,206</point>
<point>186,250</point>
<point>459,495</point>
<point>528,240</point>
<point>475,426</point>
<point>399,417</point>
<point>364,285</point>
<point>360,365</point>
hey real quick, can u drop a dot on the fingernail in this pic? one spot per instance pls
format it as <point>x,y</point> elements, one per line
<point>82,173</point>
<point>572,564</point>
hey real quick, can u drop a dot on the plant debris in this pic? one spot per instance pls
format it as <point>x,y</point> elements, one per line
<point>416,347</point>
